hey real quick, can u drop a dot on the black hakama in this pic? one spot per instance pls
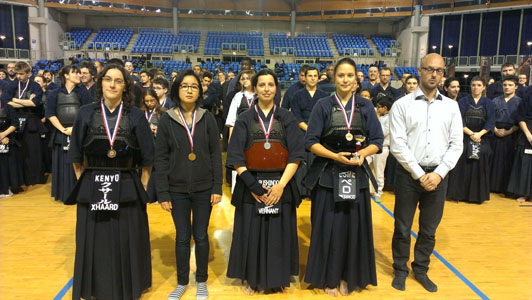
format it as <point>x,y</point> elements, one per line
<point>501,162</point>
<point>389,171</point>
<point>341,245</point>
<point>31,151</point>
<point>264,250</point>
<point>520,182</point>
<point>112,248</point>
<point>10,165</point>
<point>469,180</point>
<point>63,176</point>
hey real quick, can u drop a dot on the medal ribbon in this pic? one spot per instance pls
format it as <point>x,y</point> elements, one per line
<point>24,90</point>
<point>266,132</point>
<point>151,115</point>
<point>112,137</point>
<point>164,103</point>
<point>347,122</point>
<point>249,101</point>
<point>190,133</point>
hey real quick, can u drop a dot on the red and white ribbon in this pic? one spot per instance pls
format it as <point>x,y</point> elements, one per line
<point>190,133</point>
<point>347,122</point>
<point>111,137</point>
<point>266,132</point>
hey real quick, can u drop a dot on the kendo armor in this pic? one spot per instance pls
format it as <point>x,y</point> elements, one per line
<point>334,136</point>
<point>475,117</point>
<point>260,159</point>
<point>96,144</point>
<point>67,108</point>
<point>243,107</point>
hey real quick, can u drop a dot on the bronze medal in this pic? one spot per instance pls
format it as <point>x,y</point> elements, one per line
<point>349,136</point>
<point>192,156</point>
<point>111,153</point>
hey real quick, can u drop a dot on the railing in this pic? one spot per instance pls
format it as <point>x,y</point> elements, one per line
<point>14,53</point>
<point>496,60</point>
<point>360,52</point>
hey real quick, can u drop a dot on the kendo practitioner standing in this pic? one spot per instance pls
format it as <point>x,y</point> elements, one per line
<point>520,182</point>
<point>343,130</point>
<point>302,103</point>
<point>24,95</point>
<point>62,107</point>
<point>505,134</point>
<point>469,181</point>
<point>110,141</point>
<point>265,149</point>
<point>10,176</point>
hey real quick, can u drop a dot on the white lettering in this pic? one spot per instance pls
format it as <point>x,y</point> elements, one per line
<point>269,210</point>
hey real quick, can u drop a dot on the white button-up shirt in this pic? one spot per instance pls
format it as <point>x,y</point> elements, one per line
<point>427,134</point>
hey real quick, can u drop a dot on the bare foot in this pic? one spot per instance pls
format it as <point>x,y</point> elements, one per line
<point>331,292</point>
<point>343,288</point>
<point>521,199</point>
<point>248,290</point>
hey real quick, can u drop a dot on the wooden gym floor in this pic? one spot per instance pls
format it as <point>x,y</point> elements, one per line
<point>482,251</point>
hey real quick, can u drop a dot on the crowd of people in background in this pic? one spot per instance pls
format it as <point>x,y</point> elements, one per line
<point>114,140</point>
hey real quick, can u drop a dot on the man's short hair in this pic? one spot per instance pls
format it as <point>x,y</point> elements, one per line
<point>22,66</point>
<point>513,78</point>
<point>90,66</point>
<point>208,75</point>
<point>311,69</point>
<point>161,81</point>
<point>507,64</point>
<point>385,101</point>
<point>385,69</point>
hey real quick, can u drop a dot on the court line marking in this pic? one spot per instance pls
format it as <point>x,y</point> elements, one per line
<point>443,260</point>
<point>64,290</point>
<point>525,205</point>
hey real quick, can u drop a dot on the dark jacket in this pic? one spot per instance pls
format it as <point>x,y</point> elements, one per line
<point>174,172</point>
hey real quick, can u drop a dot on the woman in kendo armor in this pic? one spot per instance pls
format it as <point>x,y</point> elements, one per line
<point>343,130</point>
<point>62,107</point>
<point>265,149</point>
<point>110,141</point>
<point>469,181</point>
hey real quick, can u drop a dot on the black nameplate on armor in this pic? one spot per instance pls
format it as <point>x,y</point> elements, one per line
<point>345,188</point>
<point>106,191</point>
<point>268,180</point>
<point>4,148</point>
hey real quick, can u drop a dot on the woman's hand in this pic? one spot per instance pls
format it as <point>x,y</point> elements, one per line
<point>274,194</point>
<point>262,198</point>
<point>499,132</point>
<point>343,158</point>
<point>68,131</point>
<point>476,137</point>
<point>215,199</point>
<point>167,206</point>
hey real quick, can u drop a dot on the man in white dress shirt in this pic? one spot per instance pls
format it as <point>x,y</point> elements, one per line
<point>426,139</point>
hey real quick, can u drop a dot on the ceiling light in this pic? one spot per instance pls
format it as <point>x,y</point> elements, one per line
<point>2,37</point>
<point>20,38</point>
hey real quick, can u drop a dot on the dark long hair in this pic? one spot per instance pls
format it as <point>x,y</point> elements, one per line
<point>151,92</point>
<point>127,97</point>
<point>65,71</point>
<point>174,90</point>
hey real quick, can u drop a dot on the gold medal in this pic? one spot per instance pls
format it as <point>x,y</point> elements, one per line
<point>191,156</point>
<point>349,136</point>
<point>111,153</point>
